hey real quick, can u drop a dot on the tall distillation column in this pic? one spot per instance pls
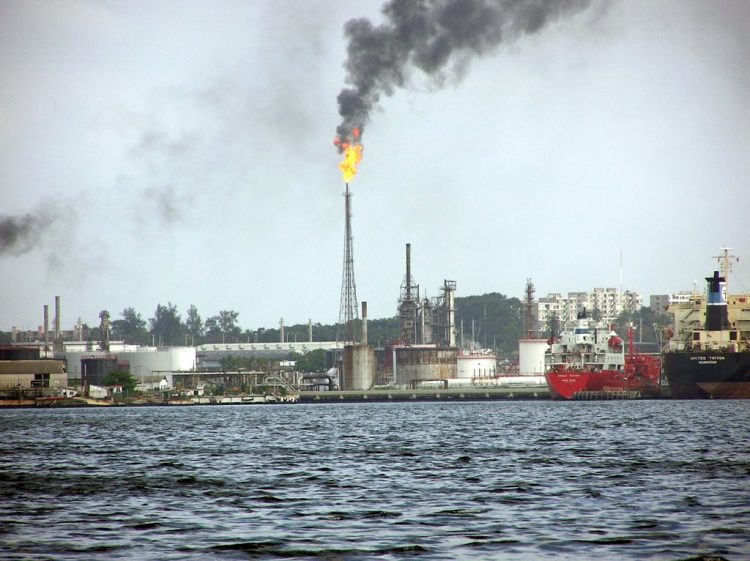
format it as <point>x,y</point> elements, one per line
<point>529,323</point>
<point>407,309</point>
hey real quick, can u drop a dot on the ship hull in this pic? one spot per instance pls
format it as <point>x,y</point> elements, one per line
<point>708,375</point>
<point>571,384</point>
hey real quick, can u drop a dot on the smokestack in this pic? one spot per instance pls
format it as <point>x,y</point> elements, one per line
<point>408,271</point>
<point>309,330</point>
<point>104,328</point>
<point>46,328</point>
<point>57,318</point>
<point>281,329</point>
<point>364,323</point>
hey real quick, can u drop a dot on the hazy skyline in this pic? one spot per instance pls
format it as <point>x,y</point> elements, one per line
<point>183,152</point>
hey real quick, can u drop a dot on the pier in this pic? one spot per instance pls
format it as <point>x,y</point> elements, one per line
<point>432,394</point>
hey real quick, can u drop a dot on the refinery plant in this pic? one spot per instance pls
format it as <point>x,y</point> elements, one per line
<point>428,354</point>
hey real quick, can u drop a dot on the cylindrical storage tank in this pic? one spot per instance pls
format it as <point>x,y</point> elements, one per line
<point>73,361</point>
<point>414,364</point>
<point>95,368</point>
<point>11,352</point>
<point>531,356</point>
<point>476,366</point>
<point>359,367</point>
<point>150,366</point>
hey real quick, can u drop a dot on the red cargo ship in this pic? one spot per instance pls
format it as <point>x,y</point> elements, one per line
<point>591,363</point>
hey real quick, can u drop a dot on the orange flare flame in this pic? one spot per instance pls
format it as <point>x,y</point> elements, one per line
<point>352,157</point>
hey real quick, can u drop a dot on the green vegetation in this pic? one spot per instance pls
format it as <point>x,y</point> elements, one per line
<point>494,319</point>
<point>314,361</point>
<point>643,322</point>
<point>120,378</point>
<point>491,320</point>
<point>131,328</point>
<point>166,326</point>
<point>252,364</point>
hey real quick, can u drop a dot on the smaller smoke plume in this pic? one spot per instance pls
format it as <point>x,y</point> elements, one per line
<point>19,234</point>
<point>434,36</point>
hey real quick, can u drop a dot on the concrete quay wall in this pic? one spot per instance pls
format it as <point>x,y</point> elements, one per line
<point>450,394</point>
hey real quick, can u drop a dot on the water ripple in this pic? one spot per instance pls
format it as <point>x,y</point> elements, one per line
<point>661,480</point>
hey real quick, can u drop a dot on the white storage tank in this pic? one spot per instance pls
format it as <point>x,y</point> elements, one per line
<point>531,356</point>
<point>146,364</point>
<point>151,364</point>
<point>476,366</point>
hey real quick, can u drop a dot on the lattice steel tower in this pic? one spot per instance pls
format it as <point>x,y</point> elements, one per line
<point>348,312</point>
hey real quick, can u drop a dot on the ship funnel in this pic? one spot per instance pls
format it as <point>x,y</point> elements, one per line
<point>717,317</point>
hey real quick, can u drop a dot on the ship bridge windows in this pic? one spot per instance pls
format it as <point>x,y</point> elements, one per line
<point>582,330</point>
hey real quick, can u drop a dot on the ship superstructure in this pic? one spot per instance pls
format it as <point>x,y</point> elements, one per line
<point>708,354</point>
<point>590,361</point>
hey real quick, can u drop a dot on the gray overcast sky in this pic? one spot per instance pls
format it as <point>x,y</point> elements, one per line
<point>182,151</point>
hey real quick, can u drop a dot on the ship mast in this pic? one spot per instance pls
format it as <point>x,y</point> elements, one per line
<point>725,261</point>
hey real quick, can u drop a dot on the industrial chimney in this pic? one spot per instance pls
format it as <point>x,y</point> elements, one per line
<point>407,308</point>
<point>408,271</point>
<point>57,318</point>
<point>46,328</point>
<point>364,323</point>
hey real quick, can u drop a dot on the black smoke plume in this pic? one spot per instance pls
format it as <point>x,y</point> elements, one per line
<point>19,234</point>
<point>435,36</point>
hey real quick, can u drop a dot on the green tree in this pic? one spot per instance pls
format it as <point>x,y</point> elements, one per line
<point>166,326</point>
<point>228,324</point>
<point>497,320</point>
<point>120,378</point>
<point>223,327</point>
<point>234,363</point>
<point>212,330</point>
<point>314,361</point>
<point>554,325</point>
<point>95,333</point>
<point>194,324</point>
<point>131,328</point>
<point>643,322</point>
<point>381,331</point>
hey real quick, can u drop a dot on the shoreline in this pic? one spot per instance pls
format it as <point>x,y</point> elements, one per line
<point>518,393</point>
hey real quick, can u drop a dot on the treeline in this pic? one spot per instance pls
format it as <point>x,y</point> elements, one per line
<point>167,327</point>
<point>492,321</point>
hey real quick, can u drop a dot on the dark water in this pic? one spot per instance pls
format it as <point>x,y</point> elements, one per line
<point>522,480</point>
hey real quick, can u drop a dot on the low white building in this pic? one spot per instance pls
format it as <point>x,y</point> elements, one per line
<point>98,392</point>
